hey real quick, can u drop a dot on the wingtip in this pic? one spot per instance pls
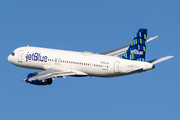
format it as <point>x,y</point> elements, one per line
<point>156,37</point>
<point>26,80</point>
<point>170,56</point>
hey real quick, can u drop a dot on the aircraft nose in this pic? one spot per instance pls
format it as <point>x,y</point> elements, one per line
<point>8,58</point>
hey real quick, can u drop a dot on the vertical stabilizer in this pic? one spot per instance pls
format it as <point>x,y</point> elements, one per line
<point>137,48</point>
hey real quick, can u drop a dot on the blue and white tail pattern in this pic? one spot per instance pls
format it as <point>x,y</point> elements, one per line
<point>137,48</point>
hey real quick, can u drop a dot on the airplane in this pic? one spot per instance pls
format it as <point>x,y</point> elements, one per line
<point>61,63</point>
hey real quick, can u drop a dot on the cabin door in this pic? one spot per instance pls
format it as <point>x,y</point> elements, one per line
<point>116,67</point>
<point>20,56</point>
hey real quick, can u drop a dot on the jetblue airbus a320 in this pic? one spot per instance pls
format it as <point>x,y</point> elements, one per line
<point>61,63</point>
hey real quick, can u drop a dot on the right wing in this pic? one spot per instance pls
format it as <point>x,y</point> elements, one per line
<point>123,49</point>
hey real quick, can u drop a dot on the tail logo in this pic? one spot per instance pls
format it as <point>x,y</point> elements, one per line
<point>135,51</point>
<point>137,48</point>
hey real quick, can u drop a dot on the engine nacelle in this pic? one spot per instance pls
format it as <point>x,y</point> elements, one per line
<point>38,82</point>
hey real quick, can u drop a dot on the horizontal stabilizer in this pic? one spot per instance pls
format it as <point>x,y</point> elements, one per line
<point>160,59</point>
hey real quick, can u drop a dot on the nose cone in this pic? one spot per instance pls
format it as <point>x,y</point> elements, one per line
<point>9,58</point>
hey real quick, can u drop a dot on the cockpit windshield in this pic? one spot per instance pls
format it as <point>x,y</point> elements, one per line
<point>12,53</point>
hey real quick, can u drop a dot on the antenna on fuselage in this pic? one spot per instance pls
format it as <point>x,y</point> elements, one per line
<point>27,45</point>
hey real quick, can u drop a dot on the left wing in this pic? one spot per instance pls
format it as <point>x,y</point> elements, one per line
<point>123,49</point>
<point>51,73</point>
<point>46,77</point>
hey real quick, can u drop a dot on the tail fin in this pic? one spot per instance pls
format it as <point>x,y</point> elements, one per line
<point>137,48</point>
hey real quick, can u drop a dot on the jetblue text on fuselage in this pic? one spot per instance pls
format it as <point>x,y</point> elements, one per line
<point>36,57</point>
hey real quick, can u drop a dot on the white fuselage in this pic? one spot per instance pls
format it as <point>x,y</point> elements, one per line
<point>83,63</point>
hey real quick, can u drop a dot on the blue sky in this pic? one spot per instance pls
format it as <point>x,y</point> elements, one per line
<point>97,26</point>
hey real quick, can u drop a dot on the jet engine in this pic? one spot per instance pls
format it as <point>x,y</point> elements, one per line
<point>38,82</point>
